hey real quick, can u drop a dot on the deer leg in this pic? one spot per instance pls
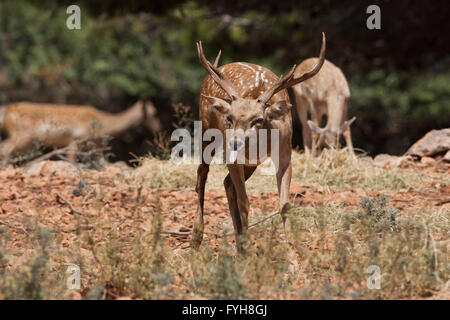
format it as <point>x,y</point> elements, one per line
<point>314,136</point>
<point>7,148</point>
<point>302,111</point>
<point>284,175</point>
<point>197,232</point>
<point>12,145</point>
<point>233,205</point>
<point>72,151</point>
<point>238,175</point>
<point>347,133</point>
<point>234,211</point>
<point>348,140</point>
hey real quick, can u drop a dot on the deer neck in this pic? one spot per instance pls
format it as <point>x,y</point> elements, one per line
<point>335,115</point>
<point>116,124</point>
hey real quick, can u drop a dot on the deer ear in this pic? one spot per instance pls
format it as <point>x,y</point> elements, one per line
<point>277,110</point>
<point>219,104</point>
<point>314,127</point>
<point>344,127</point>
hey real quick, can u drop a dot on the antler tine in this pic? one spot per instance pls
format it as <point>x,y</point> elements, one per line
<point>220,78</point>
<point>216,62</point>
<point>266,95</point>
<point>289,80</point>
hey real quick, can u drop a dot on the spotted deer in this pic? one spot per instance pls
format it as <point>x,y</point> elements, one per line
<point>326,94</point>
<point>247,97</point>
<point>63,125</point>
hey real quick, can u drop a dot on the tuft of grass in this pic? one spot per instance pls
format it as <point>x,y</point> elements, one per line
<point>331,169</point>
<point>339,169</point>
<point>35,278</point>
<point>410,251</point>
<point>326,256</point>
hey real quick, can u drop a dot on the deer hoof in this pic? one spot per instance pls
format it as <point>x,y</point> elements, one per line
<point>197,237</point>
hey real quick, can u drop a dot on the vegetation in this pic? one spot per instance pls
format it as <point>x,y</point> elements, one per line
<point>130,250</point>
<point>128,230</point>
<point>123,52</point>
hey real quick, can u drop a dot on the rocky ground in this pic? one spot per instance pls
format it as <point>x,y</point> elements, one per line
<point>87,208</point>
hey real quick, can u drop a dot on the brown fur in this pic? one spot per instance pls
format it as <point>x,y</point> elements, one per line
<point>62,125</point>
<point>256,94</point>
<point>326,94</point>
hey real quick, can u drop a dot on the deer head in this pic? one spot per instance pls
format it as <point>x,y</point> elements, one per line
<point>246,113</point>
<point>328,137</point>
<point>149,118</point>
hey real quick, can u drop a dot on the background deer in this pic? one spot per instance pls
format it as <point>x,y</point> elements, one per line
<point>63,125</point>
<point>326,94</point>
<point>246,96</point>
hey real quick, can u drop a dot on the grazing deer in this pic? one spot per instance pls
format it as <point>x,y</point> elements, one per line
<point>326,94</point>
<point>63,125</point>
<point>247,97</point>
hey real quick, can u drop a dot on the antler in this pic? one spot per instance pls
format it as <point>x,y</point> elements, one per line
<point>221,79</point>
<point>289,80</point>
<point>216,62</point>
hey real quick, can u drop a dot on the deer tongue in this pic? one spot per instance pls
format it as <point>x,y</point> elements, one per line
<point>233,156</point>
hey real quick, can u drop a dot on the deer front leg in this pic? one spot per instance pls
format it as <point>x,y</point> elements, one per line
<point>284,175</point>
<point>197,232</point>
<point>315,117</point>
<point>348,140</point>
<point>7,148</point>
<point>302,111</point>
<point>72,150</point>
<point>238,175</point>
<point>15,144</point>
<point>233,205</point>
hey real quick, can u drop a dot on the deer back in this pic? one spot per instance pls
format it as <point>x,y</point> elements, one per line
<point>329,78</point>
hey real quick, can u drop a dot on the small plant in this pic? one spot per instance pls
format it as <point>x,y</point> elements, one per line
<point>33,279</point>
<point>160,146</point>
<point>375,213</point>
<point>95,155</point>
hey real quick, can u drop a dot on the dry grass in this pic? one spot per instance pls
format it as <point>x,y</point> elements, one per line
<point>333,243</point>
<point>332,169</point>
<point>338,169</point>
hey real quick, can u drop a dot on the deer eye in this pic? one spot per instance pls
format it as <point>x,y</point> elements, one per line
<point>229,120</point>
<point>258,121</point>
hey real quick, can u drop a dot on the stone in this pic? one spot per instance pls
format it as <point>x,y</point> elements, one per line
<point>385,160</point>
<point>434,142</point>
<point>50,168</point>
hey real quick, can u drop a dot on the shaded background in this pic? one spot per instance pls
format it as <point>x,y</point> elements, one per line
<point>399,76</point>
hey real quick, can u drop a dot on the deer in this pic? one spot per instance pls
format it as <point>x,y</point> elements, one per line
<point>326,94</point>
<point>59,126</point>
<point>244,96</point>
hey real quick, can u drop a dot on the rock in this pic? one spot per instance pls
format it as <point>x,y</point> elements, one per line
<point>447,156</point>
<point>435,141</point>
<point>427,160</point>
<point>117,168</point>
<point>367,160</point>
<point>51,168</point>
<point>385,160</point>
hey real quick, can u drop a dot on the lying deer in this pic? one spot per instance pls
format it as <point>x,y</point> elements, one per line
<point>63,125</point>
<point>247,97</point>
<point>326,94</point>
